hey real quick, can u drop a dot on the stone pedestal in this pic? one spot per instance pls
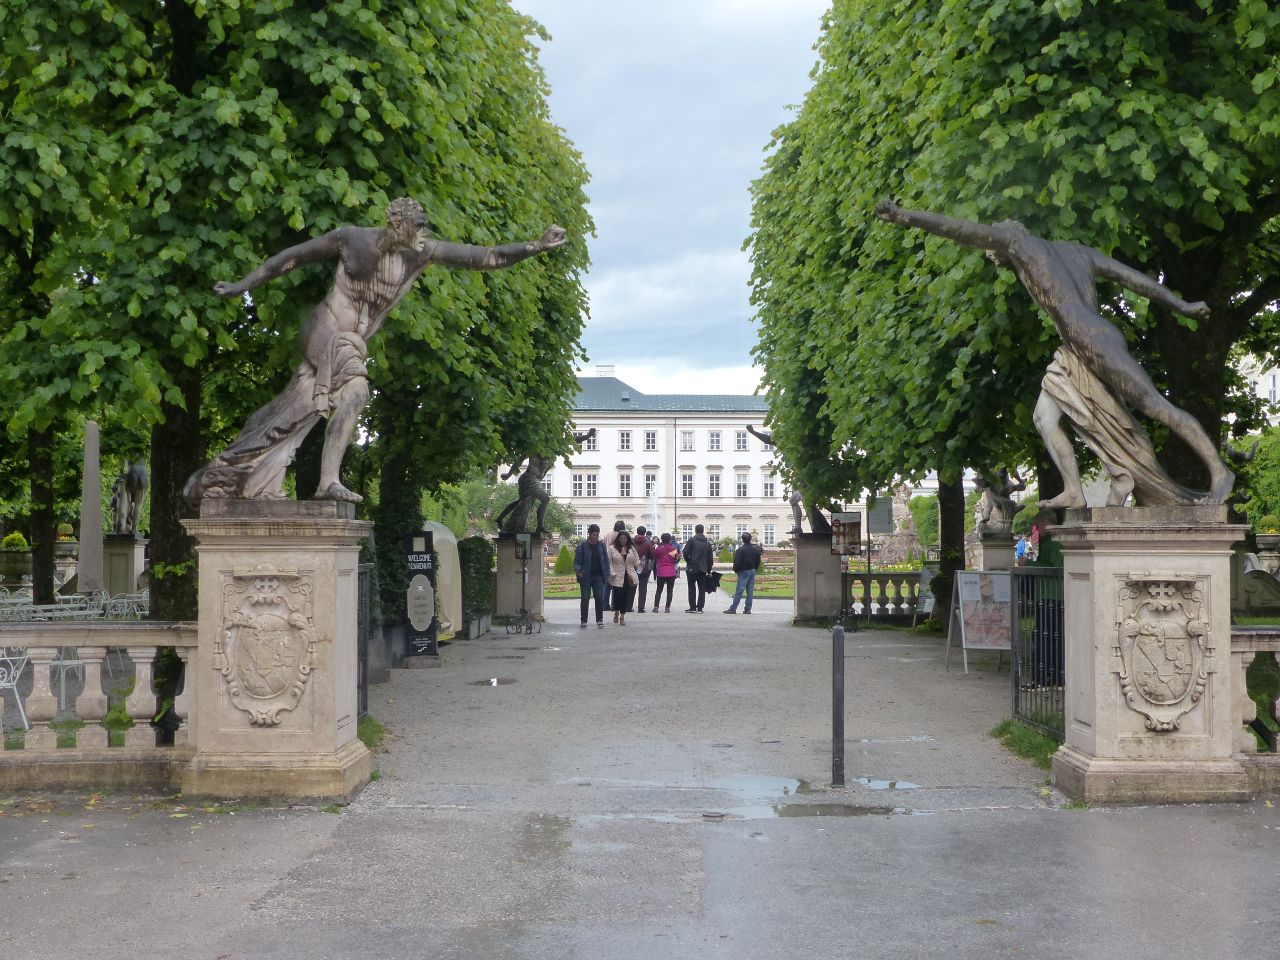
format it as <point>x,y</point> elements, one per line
<point>818,590</point>
<point>274,676</point>
<point>122,562</point>
<point>1148,636</point>
<point>512,578</point>
<point>995,551</point>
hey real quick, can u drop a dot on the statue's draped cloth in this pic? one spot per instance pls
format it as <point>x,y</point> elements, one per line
<point>253,467</point>
<point>1112,432</point>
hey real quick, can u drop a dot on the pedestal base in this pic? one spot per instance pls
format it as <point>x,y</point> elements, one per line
<point>995,552</point>
<point>819,592</point>
<point>274,676</point>
<point>122,562</point>
<point>519,585</point>
<point>1108,780</point>
<point>334,777</point>
<point>1149,711</point>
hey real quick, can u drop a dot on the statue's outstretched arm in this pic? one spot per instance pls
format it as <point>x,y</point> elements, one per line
<point>765,437</point>
<point>1143,285</point>
<point>464,256</point>
<point>986,236</point>
<point>315,250</point>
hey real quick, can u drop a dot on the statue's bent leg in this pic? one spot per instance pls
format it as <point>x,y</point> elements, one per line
<point>347,404</point>
<point>1126,376</point>
<point>1048,421</point>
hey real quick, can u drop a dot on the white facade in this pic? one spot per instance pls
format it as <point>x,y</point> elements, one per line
<point>669,469</point>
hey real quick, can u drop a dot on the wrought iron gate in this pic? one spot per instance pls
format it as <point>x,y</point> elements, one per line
<point>364,580</point>
<point>1039,649</point>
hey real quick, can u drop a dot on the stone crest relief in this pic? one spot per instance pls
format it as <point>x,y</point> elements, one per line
<point>266,649</point>
<point>1164,647</point>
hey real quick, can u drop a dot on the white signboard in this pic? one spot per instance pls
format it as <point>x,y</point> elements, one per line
<point>846,534</point>
<point>982,612</point>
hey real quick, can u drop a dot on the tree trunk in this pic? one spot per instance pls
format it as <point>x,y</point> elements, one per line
<point>951,515</point>
<point>44,527</point>
<point>177,451</point>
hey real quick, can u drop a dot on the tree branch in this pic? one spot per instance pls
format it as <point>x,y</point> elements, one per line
<point>1268,291</point>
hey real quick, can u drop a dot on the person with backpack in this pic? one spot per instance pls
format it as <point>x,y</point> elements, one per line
<point>747,559</point>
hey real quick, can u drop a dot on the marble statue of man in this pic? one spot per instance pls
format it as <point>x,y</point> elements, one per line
<point>376,266</point>
<point>1092,380</point>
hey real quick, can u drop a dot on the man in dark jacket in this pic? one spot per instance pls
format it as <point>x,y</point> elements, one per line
<point>591,564</point>
<point>644,548</point>
<point>699,557</point>
<point>746,561</point>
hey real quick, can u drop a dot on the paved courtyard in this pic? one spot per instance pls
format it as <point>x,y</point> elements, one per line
<point>658,790</point>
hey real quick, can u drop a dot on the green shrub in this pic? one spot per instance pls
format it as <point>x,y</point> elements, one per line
<point>1267,523</point>
<point>14,543</point>
<point>475,558</point>
<point>564,561</point>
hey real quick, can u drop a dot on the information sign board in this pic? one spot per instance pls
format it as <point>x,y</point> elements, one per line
<point>846,534</point>
<point>879,515</point>
<point>422,629</point>
<point>982,611</point>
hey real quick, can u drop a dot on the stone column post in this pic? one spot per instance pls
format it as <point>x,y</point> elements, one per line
<point>122,557</point>
<point>274,675</point>
<point>512,579</point>
<point>89,567</point>
<point>818,590</point>
<point>1149,711</point>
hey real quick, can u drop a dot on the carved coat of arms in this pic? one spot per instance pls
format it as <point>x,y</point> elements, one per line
<point>266,650</point>
<point>1164,648</point>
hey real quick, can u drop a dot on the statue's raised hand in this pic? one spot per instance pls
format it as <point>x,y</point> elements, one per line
<point>224,289</point>
<point>1199,310</point>
<point>553,237</point>
<point>886,209</point>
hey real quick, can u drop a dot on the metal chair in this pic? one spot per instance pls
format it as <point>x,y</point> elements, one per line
<point>12,663</point>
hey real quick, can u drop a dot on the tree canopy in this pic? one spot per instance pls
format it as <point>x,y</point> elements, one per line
<point>1150,130</point>
<point>152,149</point>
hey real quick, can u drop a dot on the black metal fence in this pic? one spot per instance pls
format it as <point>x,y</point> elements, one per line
<point>364,609</point>
<point>1039,649</point>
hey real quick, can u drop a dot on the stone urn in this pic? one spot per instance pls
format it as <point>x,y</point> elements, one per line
<point>15,566</point>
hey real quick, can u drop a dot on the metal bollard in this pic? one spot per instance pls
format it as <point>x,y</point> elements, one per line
<point>837,706</point>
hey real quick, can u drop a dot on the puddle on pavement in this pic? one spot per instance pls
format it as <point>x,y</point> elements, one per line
<point>543,836</point>
<point>552,649</point>
<point>492,682</point>
<point>514,656</point>
<point>830,810</point>
<point>873,784</point>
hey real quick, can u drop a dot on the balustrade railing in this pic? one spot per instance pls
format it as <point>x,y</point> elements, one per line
<point>892,594</point>
<point>111,664</point>
<point>1246,644</point>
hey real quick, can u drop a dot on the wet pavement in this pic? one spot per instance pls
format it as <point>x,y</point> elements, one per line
<point>657,790</point>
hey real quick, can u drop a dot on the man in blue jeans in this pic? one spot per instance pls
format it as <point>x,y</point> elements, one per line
<point>591,565</point>
<point>746,561</point>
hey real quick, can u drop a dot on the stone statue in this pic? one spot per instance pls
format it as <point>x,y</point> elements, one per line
<point>1092,376</point>
<point>514,517</point>
<point>996,507</point>
<point>127,493</point>
<point>376,267</point>
<point>582,436</point>
<point>818,522</point>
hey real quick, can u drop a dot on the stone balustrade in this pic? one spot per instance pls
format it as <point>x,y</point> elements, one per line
<point>892,594</point>
<point>1246,644</point>
<point>33,759</point>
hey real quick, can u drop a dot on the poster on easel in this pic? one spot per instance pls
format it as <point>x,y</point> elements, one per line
<point>981,612</point>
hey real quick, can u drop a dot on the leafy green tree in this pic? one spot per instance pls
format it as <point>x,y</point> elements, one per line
<point>1147,129</point>
<point>924,514</point>
<point>237,130</point>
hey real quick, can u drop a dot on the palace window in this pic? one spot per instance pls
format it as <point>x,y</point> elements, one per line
<point>741,528</point>
<point>624,439</point>
<point>741,484</point>
<point>713,440</point>
<point>592,485</point>
<point>686,531</point>
<point>713,485</point>
<point>686,439</point>
<point>770,535</point>
<point>768,489</point>
<point>575,487</point>
<point>651,439</point>
<point>591,443</point>
<point>686,484</point>
<point>713,532</point>
<point>624,484</point>
<point>740,440</point>
<point>650,484</point>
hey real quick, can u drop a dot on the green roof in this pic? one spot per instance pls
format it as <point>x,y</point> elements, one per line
<point>611,394</point>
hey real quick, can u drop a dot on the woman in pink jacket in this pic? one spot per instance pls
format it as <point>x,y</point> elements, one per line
<point>666,556</point>
<point>624,574</point>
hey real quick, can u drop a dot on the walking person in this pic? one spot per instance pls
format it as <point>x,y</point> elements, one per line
<point>666,559</point>
<point>608,539</point>
<point>644,547</point>
<point>746,561</point>
<point>624,574</point>
<point>591,565</point>
<point>699,557</point>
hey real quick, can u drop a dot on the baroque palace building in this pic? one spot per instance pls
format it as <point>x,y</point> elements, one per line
<point>670,461</point>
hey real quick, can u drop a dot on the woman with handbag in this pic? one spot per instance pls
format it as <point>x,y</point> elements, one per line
<point>666,556</point>
<point>624,574</point>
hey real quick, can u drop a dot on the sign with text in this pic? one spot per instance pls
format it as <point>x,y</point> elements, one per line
<point>879,515</point>
<point>985,610</point>
<point>846,534</point>
<point>421,630</point>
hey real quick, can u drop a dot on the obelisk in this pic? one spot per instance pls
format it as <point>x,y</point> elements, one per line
<point>89,570</point>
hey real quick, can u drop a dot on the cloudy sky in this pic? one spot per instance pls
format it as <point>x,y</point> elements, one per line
<point>672,105</point>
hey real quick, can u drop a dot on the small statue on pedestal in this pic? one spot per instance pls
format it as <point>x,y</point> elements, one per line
<point>996,507</point>
<point>514,517</point>
<point>127,494</point>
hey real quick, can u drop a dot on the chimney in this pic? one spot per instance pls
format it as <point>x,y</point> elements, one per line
<point>604,369</point>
